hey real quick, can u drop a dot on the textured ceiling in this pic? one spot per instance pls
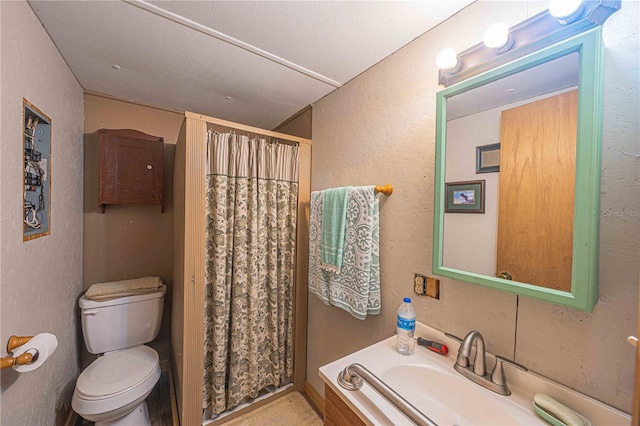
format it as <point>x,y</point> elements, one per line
<point>270,58</point>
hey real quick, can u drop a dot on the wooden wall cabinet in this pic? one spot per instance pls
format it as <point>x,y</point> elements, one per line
<point>130,169</point>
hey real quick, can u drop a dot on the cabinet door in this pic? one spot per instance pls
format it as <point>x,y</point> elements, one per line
<point>131,167</point>
<point>337,412</point>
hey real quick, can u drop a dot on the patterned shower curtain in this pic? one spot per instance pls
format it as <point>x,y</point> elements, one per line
<point>252,198</point>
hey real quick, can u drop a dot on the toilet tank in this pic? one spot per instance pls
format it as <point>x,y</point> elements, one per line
<point>120,323</point>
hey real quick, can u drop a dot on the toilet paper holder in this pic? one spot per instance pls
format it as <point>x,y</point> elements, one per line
<point>25,358</point>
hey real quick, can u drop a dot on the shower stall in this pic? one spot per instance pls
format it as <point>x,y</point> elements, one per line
<point>238,326</point>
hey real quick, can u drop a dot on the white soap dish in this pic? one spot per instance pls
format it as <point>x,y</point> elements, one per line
<point>556,413</point>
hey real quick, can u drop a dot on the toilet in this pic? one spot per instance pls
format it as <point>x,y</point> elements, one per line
<point>112,390</point>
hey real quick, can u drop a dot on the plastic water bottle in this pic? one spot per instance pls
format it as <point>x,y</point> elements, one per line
<point>406,327</point>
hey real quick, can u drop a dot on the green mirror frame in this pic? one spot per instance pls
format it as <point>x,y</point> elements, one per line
<point>584,282</point>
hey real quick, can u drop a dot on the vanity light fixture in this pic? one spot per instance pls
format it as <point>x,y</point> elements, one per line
<point>564,19</point>
<point>447,59</point>
<point>497,37</point>
<point>566,11</point>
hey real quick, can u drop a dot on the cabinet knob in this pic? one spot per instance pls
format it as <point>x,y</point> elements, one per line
<point>149,167</point>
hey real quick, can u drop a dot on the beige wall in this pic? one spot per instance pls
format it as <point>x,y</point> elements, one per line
<point>380,127</point>
<point>41,279</point>
<point>129,241</point>
<point>299,124</point>
<point>477,254</point>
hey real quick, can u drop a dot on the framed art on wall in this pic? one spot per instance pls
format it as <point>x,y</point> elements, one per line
<point>36,142</point>
<point>464,197</point>
<point>488,158</point>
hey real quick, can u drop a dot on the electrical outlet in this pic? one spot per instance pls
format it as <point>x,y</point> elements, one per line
<point>420,284</point>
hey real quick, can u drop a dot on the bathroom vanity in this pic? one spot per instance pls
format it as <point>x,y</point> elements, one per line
<point>429,382</point>
<point>337,412</point>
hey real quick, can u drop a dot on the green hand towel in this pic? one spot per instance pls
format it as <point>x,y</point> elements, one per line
<point>334,209</point>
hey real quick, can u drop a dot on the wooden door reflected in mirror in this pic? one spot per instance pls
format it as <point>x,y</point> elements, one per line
<point>537,182</point>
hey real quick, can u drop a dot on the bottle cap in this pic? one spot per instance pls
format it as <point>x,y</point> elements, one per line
<point>407,300</point>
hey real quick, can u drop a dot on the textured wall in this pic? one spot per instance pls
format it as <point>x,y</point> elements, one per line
<point>41,279</point>
<point>380,127</point>
<point>587,351</point>
<point>477,254</point>
<point>297,125</point>
<point>129,241</point>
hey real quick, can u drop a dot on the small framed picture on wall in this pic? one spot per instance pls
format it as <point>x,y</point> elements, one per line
<point>488,158</point>
<point>464,197</point>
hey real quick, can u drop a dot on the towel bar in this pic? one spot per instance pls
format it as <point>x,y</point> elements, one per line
<point>386,189</point>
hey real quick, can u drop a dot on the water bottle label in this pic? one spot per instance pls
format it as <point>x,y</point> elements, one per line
<point>408,324</point>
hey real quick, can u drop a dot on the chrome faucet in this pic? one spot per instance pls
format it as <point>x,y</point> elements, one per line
<point>464,354</point>
<point>494,381</point>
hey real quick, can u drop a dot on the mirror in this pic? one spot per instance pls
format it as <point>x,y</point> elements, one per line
<point>532,116</point>
<point>523,216</point>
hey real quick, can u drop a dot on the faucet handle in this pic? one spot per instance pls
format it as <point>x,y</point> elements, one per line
<point>497,375</point>
<point>515,364</point>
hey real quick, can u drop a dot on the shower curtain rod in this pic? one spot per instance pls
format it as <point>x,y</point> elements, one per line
<point>244,127</point>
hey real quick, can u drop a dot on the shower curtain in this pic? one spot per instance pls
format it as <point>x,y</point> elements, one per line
<point>251,208</point>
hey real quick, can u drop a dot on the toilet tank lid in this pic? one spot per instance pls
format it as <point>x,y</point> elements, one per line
<point>91,304</point>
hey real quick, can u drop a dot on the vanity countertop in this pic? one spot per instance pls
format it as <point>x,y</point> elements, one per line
<point>429,382</point>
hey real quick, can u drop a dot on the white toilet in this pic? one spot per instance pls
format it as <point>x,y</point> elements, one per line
<point>113,389</point>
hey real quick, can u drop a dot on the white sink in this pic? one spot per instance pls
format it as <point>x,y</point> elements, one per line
<point>451,399</point>
<point>428,381</point>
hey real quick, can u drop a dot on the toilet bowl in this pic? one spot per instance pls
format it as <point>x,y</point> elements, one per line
<point>112,389</point>
<point>116,383</point>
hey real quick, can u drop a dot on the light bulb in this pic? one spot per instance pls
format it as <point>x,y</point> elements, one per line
<point>562,9</point>
<point>496,36</point>
<point>447,59</point>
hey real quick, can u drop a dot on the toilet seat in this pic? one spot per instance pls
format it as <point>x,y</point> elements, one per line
<point>115,380</point>
<point>117,372</point>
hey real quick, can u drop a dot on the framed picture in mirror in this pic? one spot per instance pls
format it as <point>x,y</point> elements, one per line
<point>464,197</point>
<point>488,158</point>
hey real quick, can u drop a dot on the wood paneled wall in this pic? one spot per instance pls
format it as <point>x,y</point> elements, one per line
<point>188,320</point>
<point>177,309</point>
